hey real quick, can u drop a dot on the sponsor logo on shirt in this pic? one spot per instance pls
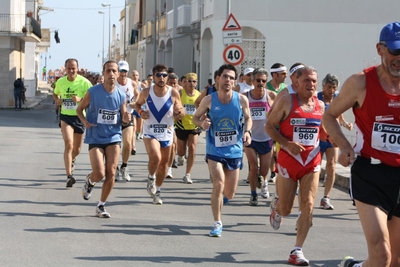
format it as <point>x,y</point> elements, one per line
<point>384,118</point>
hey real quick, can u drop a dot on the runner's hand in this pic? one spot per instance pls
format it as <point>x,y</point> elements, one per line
<point>294,148</point>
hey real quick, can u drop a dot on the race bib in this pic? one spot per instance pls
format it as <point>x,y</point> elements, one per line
<point>258,113</point>
<point>190,109</point>
<point>107,116</point>
<point>307,136</point>
<point>68,104</point>
<point>386,137</point>
<point>159,131</point>
<point>226,138</point>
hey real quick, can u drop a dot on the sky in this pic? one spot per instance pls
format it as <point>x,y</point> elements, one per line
<point>80,29</point>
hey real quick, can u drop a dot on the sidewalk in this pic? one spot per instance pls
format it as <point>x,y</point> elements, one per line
<point>41,94</point>
<point>342,174</point>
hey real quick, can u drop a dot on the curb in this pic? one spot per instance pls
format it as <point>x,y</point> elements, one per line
<point>342,175</point>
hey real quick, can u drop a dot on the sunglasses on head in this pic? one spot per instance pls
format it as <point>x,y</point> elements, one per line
<point>395,52</point>
<point>261,80</point>
<point>161,74</point>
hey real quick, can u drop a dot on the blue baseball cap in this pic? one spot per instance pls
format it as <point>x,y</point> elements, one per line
<point>390,34</point>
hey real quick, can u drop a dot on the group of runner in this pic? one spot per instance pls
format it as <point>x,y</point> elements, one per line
<point>250,116</point>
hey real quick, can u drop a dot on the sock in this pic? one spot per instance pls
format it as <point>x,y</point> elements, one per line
<point>101,203</point>
<point>158,189</point>
<point>123,165</point>
<point>152,176</point>
<point>253,192</point>
<point>69,176</point>
<point>218,222</point>
<point>326,196</point>
<point>73,160</point>
<point>169,169</point>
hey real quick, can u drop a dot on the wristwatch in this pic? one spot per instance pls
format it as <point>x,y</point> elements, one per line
<point>248,131</point>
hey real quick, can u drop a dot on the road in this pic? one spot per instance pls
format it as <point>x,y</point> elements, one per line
<point>45,224</point>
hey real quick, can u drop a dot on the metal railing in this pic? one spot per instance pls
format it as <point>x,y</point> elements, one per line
<point>14,23</point>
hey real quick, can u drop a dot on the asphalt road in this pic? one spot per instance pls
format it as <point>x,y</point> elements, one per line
<point>44,224</point>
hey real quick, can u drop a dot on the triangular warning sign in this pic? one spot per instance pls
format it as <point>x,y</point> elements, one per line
<point>231,24</point>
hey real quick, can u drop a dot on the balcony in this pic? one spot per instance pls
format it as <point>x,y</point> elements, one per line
<point>170,20</point>
<point>195,15</point>
<point>20,26</point>
<point>184,20</point>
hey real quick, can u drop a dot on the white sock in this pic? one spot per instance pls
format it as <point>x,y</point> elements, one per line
<point>218,222</point>
<point>152,176</point>
<point>101,203</point>
<point>158,188</point>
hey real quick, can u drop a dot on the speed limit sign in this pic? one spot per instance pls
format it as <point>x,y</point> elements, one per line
<point>233,54</point>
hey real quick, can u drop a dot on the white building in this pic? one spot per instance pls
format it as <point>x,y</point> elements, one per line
<point>20,32</point>
<point>336,37</point>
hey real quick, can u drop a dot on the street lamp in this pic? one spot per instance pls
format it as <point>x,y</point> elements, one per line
<point>109,28</point>
<point>102,58</point>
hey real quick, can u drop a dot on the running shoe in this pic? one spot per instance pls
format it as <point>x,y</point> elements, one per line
<point>169,173</point>
<point>260,181</point>
<point>264,190</point>
<point>274,218</point>
<point>187,179</point>
<point>174,164</point>
<point>216,231</point>
<point>87,188</point>
<point>151,186</point>
<point>133,152</point>
<point>326,204</point>
<point>125,174</point>
<point>73,165</point>
<point>348,262</point>
<point>117,174</point>
<point>101,212</point>
<point>137,136</point>
<point>297,258</point>
<point>272,177</point>
<point>253,200</point>
<point>70,181</point>
<point>225,200</point>
<point>181,161</point>
<point>324,181</point>
<point>157,198</point>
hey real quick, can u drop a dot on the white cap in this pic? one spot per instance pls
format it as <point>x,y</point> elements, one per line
<point>123,65</point>
<point>248,70</point>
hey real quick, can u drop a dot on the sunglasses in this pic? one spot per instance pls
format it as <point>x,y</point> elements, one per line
<point>261,80</point>
<point>248,75</point>
<point>161,74</point>
<point>191,81</point>
<point>124,71</point>
<point>395,52</point>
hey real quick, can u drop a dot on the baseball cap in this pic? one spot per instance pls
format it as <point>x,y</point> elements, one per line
<point>123,65</point>
<point>247,71</point>
<point>390,34</point>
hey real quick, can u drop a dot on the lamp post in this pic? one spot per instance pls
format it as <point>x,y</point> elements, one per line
<point>109,28</point>
<point>102,58</point>
<point>45,63</point>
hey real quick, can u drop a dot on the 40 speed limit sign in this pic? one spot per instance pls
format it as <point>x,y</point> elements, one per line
<point>233,54</point>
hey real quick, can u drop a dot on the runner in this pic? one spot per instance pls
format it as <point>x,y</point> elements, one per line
<point>228,127</point>
<point>68,93</point>
<point>299,118</point>
<point>163,106</point>
<point>103,122</point>
<point>374,96</point>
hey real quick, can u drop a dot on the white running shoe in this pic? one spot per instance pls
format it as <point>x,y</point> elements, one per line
<point>187,179</point>
<point>169,173</point>
<point>151,186</point>
<point>157,199</point>
<point>101,212</point>
<point>264,190</point>
<point>326,204</point>
<point>87,188</point>
<point>274,218</point>
<point>181,161</point>
<point>297,258</point>
<point>125,174</point>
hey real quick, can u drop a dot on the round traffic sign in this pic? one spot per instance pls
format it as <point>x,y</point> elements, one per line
<point>233,54</point>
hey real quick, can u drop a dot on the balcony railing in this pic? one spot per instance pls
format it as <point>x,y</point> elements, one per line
<point>170,20</point>
<point>14,23</point>
<point>195,11</point>
<point>183,16</point>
